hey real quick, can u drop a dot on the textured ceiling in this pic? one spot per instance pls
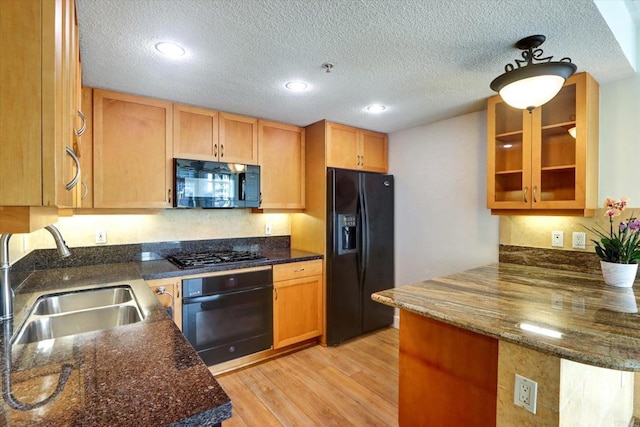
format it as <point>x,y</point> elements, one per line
<point>425,59</point>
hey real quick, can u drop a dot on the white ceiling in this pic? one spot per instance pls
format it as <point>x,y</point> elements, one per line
<point>425,59</point>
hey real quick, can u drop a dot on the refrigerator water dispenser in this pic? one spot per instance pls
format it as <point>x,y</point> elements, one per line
<point>347,236</point>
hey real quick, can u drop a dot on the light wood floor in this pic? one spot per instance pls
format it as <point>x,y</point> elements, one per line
<point>354,384</point>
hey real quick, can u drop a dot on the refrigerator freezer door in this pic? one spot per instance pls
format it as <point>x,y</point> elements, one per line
<point>378,198</point>
<point>344,296</point>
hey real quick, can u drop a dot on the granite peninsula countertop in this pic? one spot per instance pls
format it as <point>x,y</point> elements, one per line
<point>599,324</point>
<point>144,374</point>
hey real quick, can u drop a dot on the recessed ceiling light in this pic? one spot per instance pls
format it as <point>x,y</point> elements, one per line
<point>170,49</point>
<point>376,108</point>
<point>296,86</point>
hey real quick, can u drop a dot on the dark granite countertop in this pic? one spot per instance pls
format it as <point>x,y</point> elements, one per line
<point>599,324</point>
<point>141,374</point>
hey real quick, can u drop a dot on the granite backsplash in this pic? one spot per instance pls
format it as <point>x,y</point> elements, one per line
<point>43,259</point>
<point>585,262</point>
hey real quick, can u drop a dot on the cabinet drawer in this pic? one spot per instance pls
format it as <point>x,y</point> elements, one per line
<point>297,269</point>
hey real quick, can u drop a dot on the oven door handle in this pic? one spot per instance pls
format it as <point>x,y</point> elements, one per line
<point>210,298</point>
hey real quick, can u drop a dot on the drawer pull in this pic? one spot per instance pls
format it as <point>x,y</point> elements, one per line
<point>298,270</point>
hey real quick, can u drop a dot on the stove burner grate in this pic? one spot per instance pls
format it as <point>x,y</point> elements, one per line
<point>206,258</point>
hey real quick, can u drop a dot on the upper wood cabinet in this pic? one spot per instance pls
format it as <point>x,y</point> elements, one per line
<point>202,134</point>
<point>534,164</point>
<point>353,148</point>
<point>38,102</point>
<point>297,305</point>
<point>132,151</point>
<point>195,133</point>
<point>281,158</point>
<point>238,139</point>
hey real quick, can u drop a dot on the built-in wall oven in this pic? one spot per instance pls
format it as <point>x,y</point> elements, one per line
<point>229,315</point>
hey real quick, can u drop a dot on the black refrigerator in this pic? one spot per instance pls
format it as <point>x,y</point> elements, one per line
<point>360,252</point>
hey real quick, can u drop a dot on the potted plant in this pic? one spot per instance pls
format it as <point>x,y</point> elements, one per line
<point>619,248</point>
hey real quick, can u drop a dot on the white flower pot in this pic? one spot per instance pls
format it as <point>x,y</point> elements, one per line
<point>620,275</point>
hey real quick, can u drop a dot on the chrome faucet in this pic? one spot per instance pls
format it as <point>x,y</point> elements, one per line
<point>6,293</point>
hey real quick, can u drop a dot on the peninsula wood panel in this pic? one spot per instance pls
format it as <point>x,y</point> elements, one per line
<point>439,365</point>
<point>132,151</point>
<point>238,139</point>
<point>281,153</point>
<point>195,133</point>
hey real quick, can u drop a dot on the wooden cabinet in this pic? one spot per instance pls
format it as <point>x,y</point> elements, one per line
<point>132,151</point>
<point>238,139</point>
<point>534,164</point>
<point>38,100</point>
<point>297,305</point>
<point>281,159</point>
<point>202,134</point>
<point>170,297</point>
<point>353,148</point>
<point>195,133</point>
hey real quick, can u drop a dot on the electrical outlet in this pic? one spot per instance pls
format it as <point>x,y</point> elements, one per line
<point>525,393</point>
<point>101,235</point>
<point>267,229</point>
<point>579,240</point>
<point>557,239</point>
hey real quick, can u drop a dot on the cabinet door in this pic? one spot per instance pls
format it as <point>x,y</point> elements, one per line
<point>132,151</point>
<point>281,155</point>
<point>297,310</point>
<point>238,139</point>
<point>373,149</point>
<point>562,163</point>
<point>171,298</point>
<point>85,152</point>
<point>508,156</point>
<point>195,133</point>
<point>342,146</point>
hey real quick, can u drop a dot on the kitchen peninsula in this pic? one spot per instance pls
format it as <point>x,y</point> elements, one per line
<point>463,339</point>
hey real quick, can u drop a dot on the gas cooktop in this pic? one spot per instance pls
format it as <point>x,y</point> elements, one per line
<point>206,258</point>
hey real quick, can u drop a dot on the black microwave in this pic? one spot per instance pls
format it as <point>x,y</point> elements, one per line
<point>201,184</point>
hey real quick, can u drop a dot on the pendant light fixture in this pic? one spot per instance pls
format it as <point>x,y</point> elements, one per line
<point>532,84</point>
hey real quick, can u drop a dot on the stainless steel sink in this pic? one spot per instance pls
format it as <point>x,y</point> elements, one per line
<point>60,315</point>
<point>82,300</point>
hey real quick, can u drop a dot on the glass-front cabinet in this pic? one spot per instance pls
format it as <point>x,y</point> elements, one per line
<point>546,161</point>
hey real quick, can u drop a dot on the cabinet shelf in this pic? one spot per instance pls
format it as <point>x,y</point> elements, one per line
<point>563,125</point>
<point>557,168</point>
<point>507,172</point>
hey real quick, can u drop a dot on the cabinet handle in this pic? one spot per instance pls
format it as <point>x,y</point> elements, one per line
<point>524,194</point>
<point>362,162</point>
<point>85,190</point>
<point>215,150</point>
<point>299,270</point>
<point>84,124</point>
<point>535,197</point>
<point>276,291</point>
<point>75,179</point>
<point>169,195</point>
<point>221,150</point>
<point>161,290</point>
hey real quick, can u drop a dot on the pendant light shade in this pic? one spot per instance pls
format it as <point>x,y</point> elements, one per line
<point>530,85</point>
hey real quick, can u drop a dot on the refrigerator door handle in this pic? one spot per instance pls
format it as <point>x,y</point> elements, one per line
<point>364,233</point>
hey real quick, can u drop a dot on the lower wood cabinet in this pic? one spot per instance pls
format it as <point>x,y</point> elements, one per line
<point>171,298</point>
<point>297,304</point>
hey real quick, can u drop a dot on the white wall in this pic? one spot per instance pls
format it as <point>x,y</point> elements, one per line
<point>619,173</point>
<point>442,223</point>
